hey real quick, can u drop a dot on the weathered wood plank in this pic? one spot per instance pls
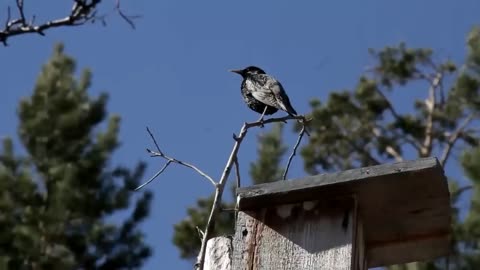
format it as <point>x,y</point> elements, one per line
<point>298,236</point>
<point>341,183</point>
<point>404,207</point>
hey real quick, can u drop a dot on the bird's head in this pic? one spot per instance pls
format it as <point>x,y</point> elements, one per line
<point>248,71</point>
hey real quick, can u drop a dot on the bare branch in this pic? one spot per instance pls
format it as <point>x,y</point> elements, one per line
<point>430,103</point>
<point>82,11</point>
<point>226,172</point>
<point>294,152</point>
<point>154,176</point>
<point>237,171</point>
<point>171,160</point>
<point>454,137</point>
<point>154,141</point>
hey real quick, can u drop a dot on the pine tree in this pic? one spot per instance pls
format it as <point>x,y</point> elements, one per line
<point>57,200</point>
<point>364,127</point>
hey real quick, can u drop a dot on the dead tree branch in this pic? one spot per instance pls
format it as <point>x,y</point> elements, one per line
<point>220,185</point>
<point>294,152</point>
<point>223,179</point>
<point>82,11</point>
<point>170,160</point>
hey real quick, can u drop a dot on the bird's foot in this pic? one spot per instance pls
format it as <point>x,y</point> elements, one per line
<point>261,120</point>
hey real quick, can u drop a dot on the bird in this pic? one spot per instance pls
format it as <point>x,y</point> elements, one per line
<point>263,93</point>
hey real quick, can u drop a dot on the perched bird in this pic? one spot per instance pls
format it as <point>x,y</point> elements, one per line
<point>263,93</point>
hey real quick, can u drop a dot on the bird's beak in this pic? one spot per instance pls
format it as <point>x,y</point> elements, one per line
<point>238,71</point>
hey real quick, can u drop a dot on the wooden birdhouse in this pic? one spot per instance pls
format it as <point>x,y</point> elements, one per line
<point>355,219</point>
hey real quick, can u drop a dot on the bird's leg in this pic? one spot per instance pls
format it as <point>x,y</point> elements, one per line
<point>261,117</point>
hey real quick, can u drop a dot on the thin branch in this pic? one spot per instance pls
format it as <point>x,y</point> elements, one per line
<point>154,176</point>
<point>389,104</point>
<point>459,191</point>
<point>454,137</point>
<point>294,152</point>
<point>82,11</point>
<point>394,153</point>
<point>201,235</point>
<point>171,160</point>
<point>223,179</point>
<point>154,141</point>
<point>237,171</point>
<point>128,18</point>
<point>20,11</point>
<point>430,103</point>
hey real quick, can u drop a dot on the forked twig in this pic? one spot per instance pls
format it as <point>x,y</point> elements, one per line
<point>81,12</point>
<point>159,153</point>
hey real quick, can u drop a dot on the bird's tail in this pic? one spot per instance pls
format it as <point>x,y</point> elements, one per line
<point>290,110</point>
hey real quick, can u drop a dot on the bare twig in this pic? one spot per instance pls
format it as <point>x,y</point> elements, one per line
<point>82,11</point>
<point>154,141</point>
<point>20,11</point>
<point>459,191</point>
<point>226,172</point>
<point>454,137</point>
<point>201,235</point>
<point>171,160</point>
<point>128,18</point>
<point>154,176</point>
<point>294,152</point>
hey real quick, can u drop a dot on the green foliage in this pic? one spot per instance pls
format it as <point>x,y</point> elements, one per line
<point>56,201</point>
<point>364,127</point>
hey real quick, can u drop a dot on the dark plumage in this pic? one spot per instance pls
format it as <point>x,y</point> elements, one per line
<point>263,93</point>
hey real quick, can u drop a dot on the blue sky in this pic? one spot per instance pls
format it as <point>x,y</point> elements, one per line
<point>171,74</point>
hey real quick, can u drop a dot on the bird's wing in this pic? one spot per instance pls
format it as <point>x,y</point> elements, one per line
<point>271,87</point>
<point>274,89</point>
<point>260,93</point>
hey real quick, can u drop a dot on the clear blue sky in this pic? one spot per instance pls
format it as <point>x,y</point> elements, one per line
<point>171,74</point>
